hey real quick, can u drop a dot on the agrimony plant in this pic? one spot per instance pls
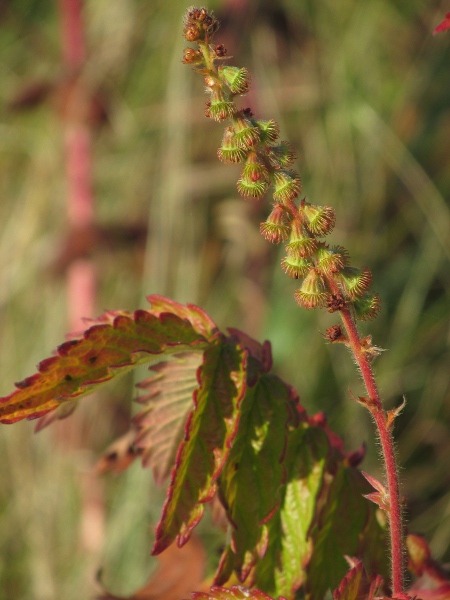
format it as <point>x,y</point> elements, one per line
<point>216,423</point>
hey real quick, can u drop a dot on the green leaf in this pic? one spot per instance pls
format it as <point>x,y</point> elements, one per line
<point>114,344</point>
<point>168,401</point>
<point>210,429</point>
<point>356,585</point>
<point>338,532</point>
<point>290,546</point>
<point>251,480</point>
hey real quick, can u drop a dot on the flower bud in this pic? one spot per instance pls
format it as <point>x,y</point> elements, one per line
<point>277,227</point>
<point>295,266</point>
<point>313,293</point>
<point>251,189</point>
<point>238,80</point>
<point>220,108</point>
<point>287,185</point>
<point>367,307</point>
<point>355,282</point>
<point>329,260</point>
<point>301,243</point>
<point>270,130</point>
<point>192,57</point>
<point>281,156</point>
<point>230,151</point>
<point>246,134</point>
<point>321,219</point>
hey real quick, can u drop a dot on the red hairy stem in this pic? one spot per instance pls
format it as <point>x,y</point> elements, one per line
<point>375,406</point>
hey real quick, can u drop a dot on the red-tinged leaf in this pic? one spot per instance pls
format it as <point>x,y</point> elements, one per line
<point>444,25</point>
<point>114,344</point>
<point>168,401</point>
<point>196,316</point>
<point>356,585</point>
<point>210,430</point>
<point>237,592</point>
<point>338,532</point>
<point>281,571</point>
<point>433,582</point>
<point>251,480</point>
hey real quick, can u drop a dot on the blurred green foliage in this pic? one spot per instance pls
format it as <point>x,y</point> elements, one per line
<point>361,90</point>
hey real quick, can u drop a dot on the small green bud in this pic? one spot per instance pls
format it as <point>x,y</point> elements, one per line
<point>254,170</point>
<point>287,185</point>
<point>313,293</point>
<point>321,219</point>
<point>246,134</point>
<point>277,227</point>
<point>230,151</point>
<point>301,243</point>
<point>252,189</point>
<point>355,282</point>
<point>281,156</point>
<point>367,307</point>
<point>238,80</point>
<point>219,108</point>
<point>270,131</point>
<point>295,266</point>
<point>329,260</point>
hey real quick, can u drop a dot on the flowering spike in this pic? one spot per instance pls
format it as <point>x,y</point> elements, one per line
<point>238,80</point>
<point>355,282</point>
<point>295,266</point>
<point>287,185</point>
<point>270,131</point>
<point>230,151</point>
<point>313,293</point>
<point>367,307</point>
<point>321,219</point>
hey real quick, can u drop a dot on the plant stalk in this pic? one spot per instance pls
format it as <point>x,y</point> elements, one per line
<point>387,449</point>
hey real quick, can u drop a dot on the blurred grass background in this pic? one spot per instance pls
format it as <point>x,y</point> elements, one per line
<point>362,90</point>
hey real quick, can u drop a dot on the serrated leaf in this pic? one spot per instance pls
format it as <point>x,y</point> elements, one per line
<point>338,532</point>
<point>237,592</point>
<point>160,426</point>
<point>114,344</point>
<point>210,430</point>
<point>281,571</point>
<point>251,480</point>
<point>356,585</point>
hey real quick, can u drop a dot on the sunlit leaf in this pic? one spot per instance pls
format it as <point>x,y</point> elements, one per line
<point>281,571</point>
<point>210,429</point>
<point>113,344</point>
<point>251,480</point>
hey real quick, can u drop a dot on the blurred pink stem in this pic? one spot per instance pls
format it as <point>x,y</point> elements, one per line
<point>81,276</point>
